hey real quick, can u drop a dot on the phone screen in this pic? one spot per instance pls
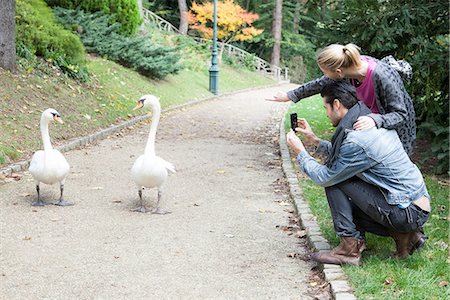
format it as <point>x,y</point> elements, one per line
<point>294,121</point>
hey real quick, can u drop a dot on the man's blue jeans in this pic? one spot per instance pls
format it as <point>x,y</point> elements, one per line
<point>358,207</point>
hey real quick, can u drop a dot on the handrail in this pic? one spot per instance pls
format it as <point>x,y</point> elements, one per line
<point>261,65</point>
<point>151,17</point>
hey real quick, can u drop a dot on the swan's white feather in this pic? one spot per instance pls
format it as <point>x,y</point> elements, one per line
<point>50,167</point>
<point>150,170</point>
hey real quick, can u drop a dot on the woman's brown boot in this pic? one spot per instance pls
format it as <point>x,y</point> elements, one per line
<point>348,252</point>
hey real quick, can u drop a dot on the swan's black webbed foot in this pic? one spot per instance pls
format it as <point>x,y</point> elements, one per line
<point>141,209</point>
<point>62,202</point>
<point>39,202</point>
<point>160,211</point>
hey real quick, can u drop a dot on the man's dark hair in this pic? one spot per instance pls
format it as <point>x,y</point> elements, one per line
<point>341,90</point>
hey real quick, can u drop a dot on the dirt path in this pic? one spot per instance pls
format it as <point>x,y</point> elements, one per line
<point>223,240</point>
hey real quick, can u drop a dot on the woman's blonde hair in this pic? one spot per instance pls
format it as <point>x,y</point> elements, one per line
<point>337,56</point>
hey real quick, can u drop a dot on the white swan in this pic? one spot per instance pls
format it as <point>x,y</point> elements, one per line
<point>49,166</point>
<point>149,170</point>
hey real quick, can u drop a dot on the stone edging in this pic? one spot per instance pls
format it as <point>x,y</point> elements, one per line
<point>104,133</point>
<point>333,274</point>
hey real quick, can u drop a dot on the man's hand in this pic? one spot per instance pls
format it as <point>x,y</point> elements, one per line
<point>364,122</point>
<point>280,97</point>
<point>294,142</point>
<point>305,129</point>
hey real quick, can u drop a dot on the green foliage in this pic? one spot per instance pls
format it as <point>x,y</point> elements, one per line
<point>296,69</point>
<point>36,28</point>
<point>38,34</point>
<point>295,48</point>
<point>295,45</point>
<point>125,12</point>
<point>33,64</point>
<point>7,154</point>
<point>139,53</point>
<point>416,31</point>
<point>439,149</point>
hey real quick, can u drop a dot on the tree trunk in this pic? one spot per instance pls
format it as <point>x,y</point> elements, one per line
<point>296,20</point>
<point>141,12</point>
<point>276,31</point>
<point>183,16</point>
<point>8,34</point>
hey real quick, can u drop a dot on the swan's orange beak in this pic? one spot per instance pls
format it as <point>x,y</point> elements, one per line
<point>139,105</point>
<point>58,119</point>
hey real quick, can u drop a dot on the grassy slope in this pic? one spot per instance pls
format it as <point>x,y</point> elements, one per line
<point>381,277</point>
<point>107,99</point>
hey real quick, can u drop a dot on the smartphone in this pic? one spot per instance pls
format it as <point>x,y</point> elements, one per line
<point>294,121</point>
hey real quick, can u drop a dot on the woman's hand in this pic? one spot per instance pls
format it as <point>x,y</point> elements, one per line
<point>280,97</point>
<point>363,123</point>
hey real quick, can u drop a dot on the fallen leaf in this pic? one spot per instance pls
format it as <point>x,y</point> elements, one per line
<point>388,281</point>
<point>15,175</point>
<point>96,188</point>
<point>265,211</point>
<point>26,238</point>
<point>300,233</point>
<point>443,283</point>
<point>220,171</point>
<point>117,201</point>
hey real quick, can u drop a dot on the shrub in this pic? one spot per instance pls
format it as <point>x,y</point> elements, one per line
<point>38,34</point>
<point>139,53</point>
<point>125,12</point>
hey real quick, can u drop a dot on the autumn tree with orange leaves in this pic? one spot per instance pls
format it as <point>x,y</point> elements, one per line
<point>233,22</point>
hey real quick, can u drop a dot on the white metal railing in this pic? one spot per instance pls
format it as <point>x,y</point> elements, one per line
<point>151,17</point>
<point>260,65</point>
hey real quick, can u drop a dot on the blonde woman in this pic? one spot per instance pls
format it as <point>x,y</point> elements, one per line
<point>377,84</point>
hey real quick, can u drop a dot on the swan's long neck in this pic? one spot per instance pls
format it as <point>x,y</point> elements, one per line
<point>45,135</point>
<point>150,147</point>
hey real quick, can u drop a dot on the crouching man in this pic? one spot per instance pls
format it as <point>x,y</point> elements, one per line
<point>370,183</point>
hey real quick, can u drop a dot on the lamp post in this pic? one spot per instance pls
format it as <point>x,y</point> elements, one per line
<point>214,69</point>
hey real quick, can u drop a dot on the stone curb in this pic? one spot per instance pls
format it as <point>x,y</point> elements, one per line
<point>104,133</point>
<point>333,274</point>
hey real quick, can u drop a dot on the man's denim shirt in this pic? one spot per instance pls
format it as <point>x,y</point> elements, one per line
<point>376,156</point>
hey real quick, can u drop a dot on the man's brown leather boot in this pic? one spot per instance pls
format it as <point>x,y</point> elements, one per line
<point>407,242</point>
<point>348,252</point>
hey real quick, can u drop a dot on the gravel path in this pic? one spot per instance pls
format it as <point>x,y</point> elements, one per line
<point>230,235</point>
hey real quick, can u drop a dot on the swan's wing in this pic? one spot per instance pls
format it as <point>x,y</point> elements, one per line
<point>37,162</point>
<point>169,166</point>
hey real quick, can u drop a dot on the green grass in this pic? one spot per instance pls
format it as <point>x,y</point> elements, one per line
<point>107,99</point>
<point>7,153</point>
<point>423,275</point>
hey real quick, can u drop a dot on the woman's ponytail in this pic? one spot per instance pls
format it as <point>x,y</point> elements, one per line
<point>337,56</point>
